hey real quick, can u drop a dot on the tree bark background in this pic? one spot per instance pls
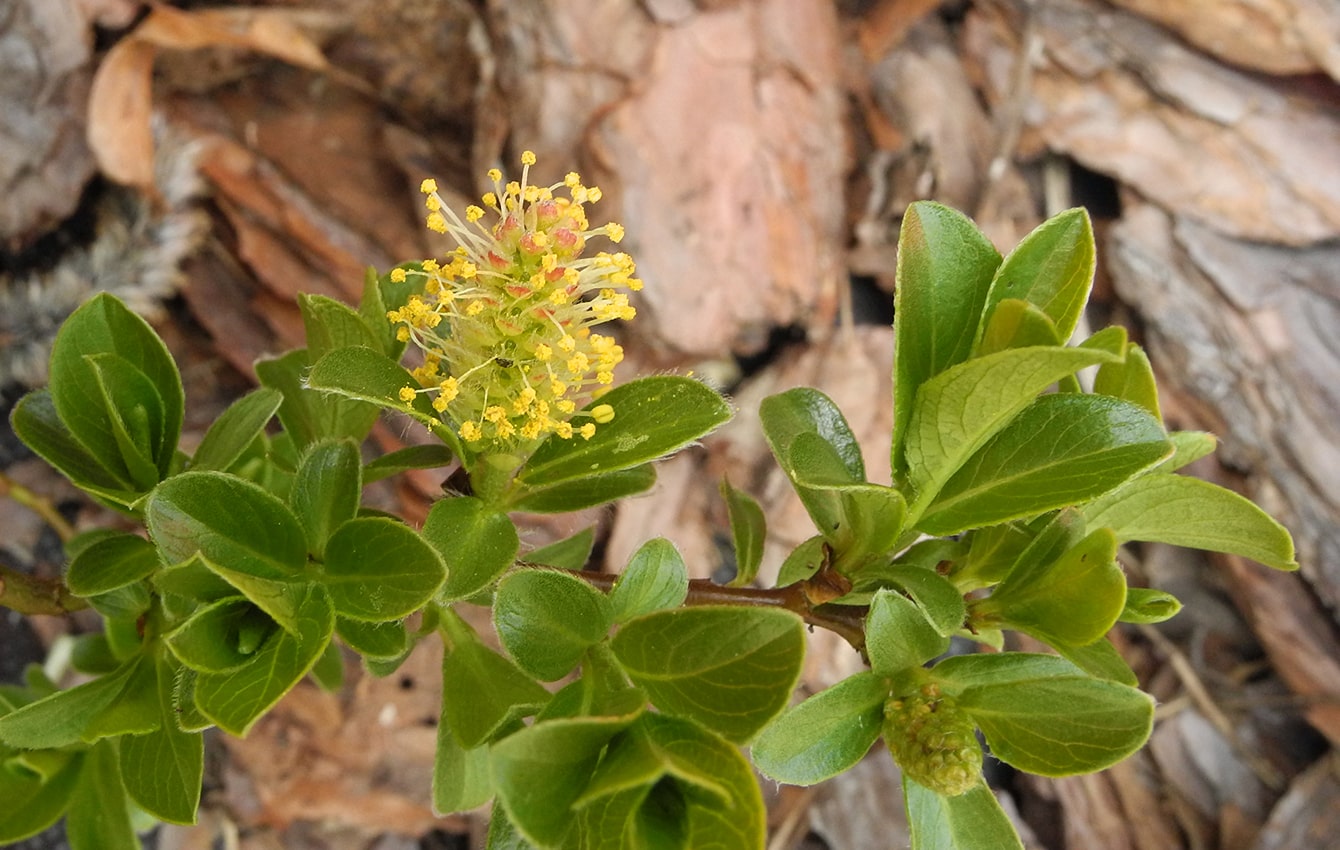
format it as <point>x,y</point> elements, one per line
<point>209,162</point>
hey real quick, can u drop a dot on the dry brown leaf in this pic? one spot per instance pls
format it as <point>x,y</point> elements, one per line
<point>120,131</point>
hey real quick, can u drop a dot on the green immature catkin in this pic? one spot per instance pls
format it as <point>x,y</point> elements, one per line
<point>933,741</point>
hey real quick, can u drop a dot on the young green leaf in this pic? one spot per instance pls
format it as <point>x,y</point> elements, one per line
<point>1149,605</point>
<point>34,801</point>
<point>499,692</point>
<point>957,411</point>
<point>162,770</point>
<point>308,414</point>
<point>235,700</point>
<point>698,789</point>
<point>36,422</point>
<point>541,771</point>
<point>476,542</point>
<point>366,375</point>
<point>326,490</point>
<point>546,619</point>
<point>235,429</point>
<point>581,493</point>
<point>1132,379</point>
<point>104,325</point>
<point>1052,268</point>
<point>373,640</point>
<point>1099,659</point>
<point>570,553</point>
<point>460,777</point>
<point>110,564</point>
<point>330,325</point>
<point>1060,726</point>
<point>133,411</point>
<point>655,579</point>
<point>970,821</point>
<point>231,522</point>
<point>426,456</point>
<point>379,570</point>
<point>824,735</point>
<point>653,417</point>
<point>66,717</point>
<point>898,635</point>
<point>748,528</point>
<point>1015,323</point>
<point>1188,447</point>
<point>1064,449</point>
<point>1074,600</point>
<point>945,269</point>
<point>221,636</point>
<point>99,817</point>
<point>1189,512</point>
<point>731,669</point>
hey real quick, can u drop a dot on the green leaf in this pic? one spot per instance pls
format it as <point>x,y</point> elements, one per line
<point>221,636</point>
<point>381,295</point>
<point>331,325</point>
<point>748,528</point>
<point>235,700</point>
<point>1015,323</point>
<point>104,325</point>
<point>546,620</point>
<point>245,535</point>
<point>962,672</point>
<point>1189,512</point>
<point>655,579</point>
<point>1075,600</point>
<point>194,581</point>
<point>373,640</point>
<point>1148,605</point>
<point>819,454</point>
<point>699,790</point>
<point>233,523</point>
<point>826,734</point>
<point>957,411</point>
<point>34,802</point>
<point>110,564</point>
<point>66,717</point>
<point>99,817</point>
<point>570,553</point>
<point>898,635</point>
<point>1100,659</point>
<point>1188,447</point>
<point>133,411</point>
<point>945,269</point>
<point>1064,449</point>
<point>488,693</point>
<point>307,414</point>
<point>379,570</point>
<point>328,671</point>
<point>803,561</point>
<point>581,493</point>
<point>1060,726</point>
<point>1052,268</point>
<point>731,669</point>
<point>162,770</point>
<point>427,456</point>
<point>970,821</point>
<point>235,429</point>
<point>940,601</point>
<point>37,424</point>
<point>541,771</point>
<point>653,417</point>
<point>1132,379</point>
<point>477,543</point>
<point>365,375</point>
<point>326,489</point>
<point>460,777</point>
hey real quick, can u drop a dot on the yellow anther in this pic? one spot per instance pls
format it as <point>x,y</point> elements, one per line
<point>428,186</point>
<point>602,413</point>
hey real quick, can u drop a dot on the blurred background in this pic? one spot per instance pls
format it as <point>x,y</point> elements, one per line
<point>207,162</point>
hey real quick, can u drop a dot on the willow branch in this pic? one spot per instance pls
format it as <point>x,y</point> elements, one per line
<point>37,504</point>
<point>30,595</point>
<point>846,621</point>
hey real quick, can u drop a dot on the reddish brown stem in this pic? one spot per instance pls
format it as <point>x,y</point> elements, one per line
<point>30,595</point>
<point>846,621</point>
